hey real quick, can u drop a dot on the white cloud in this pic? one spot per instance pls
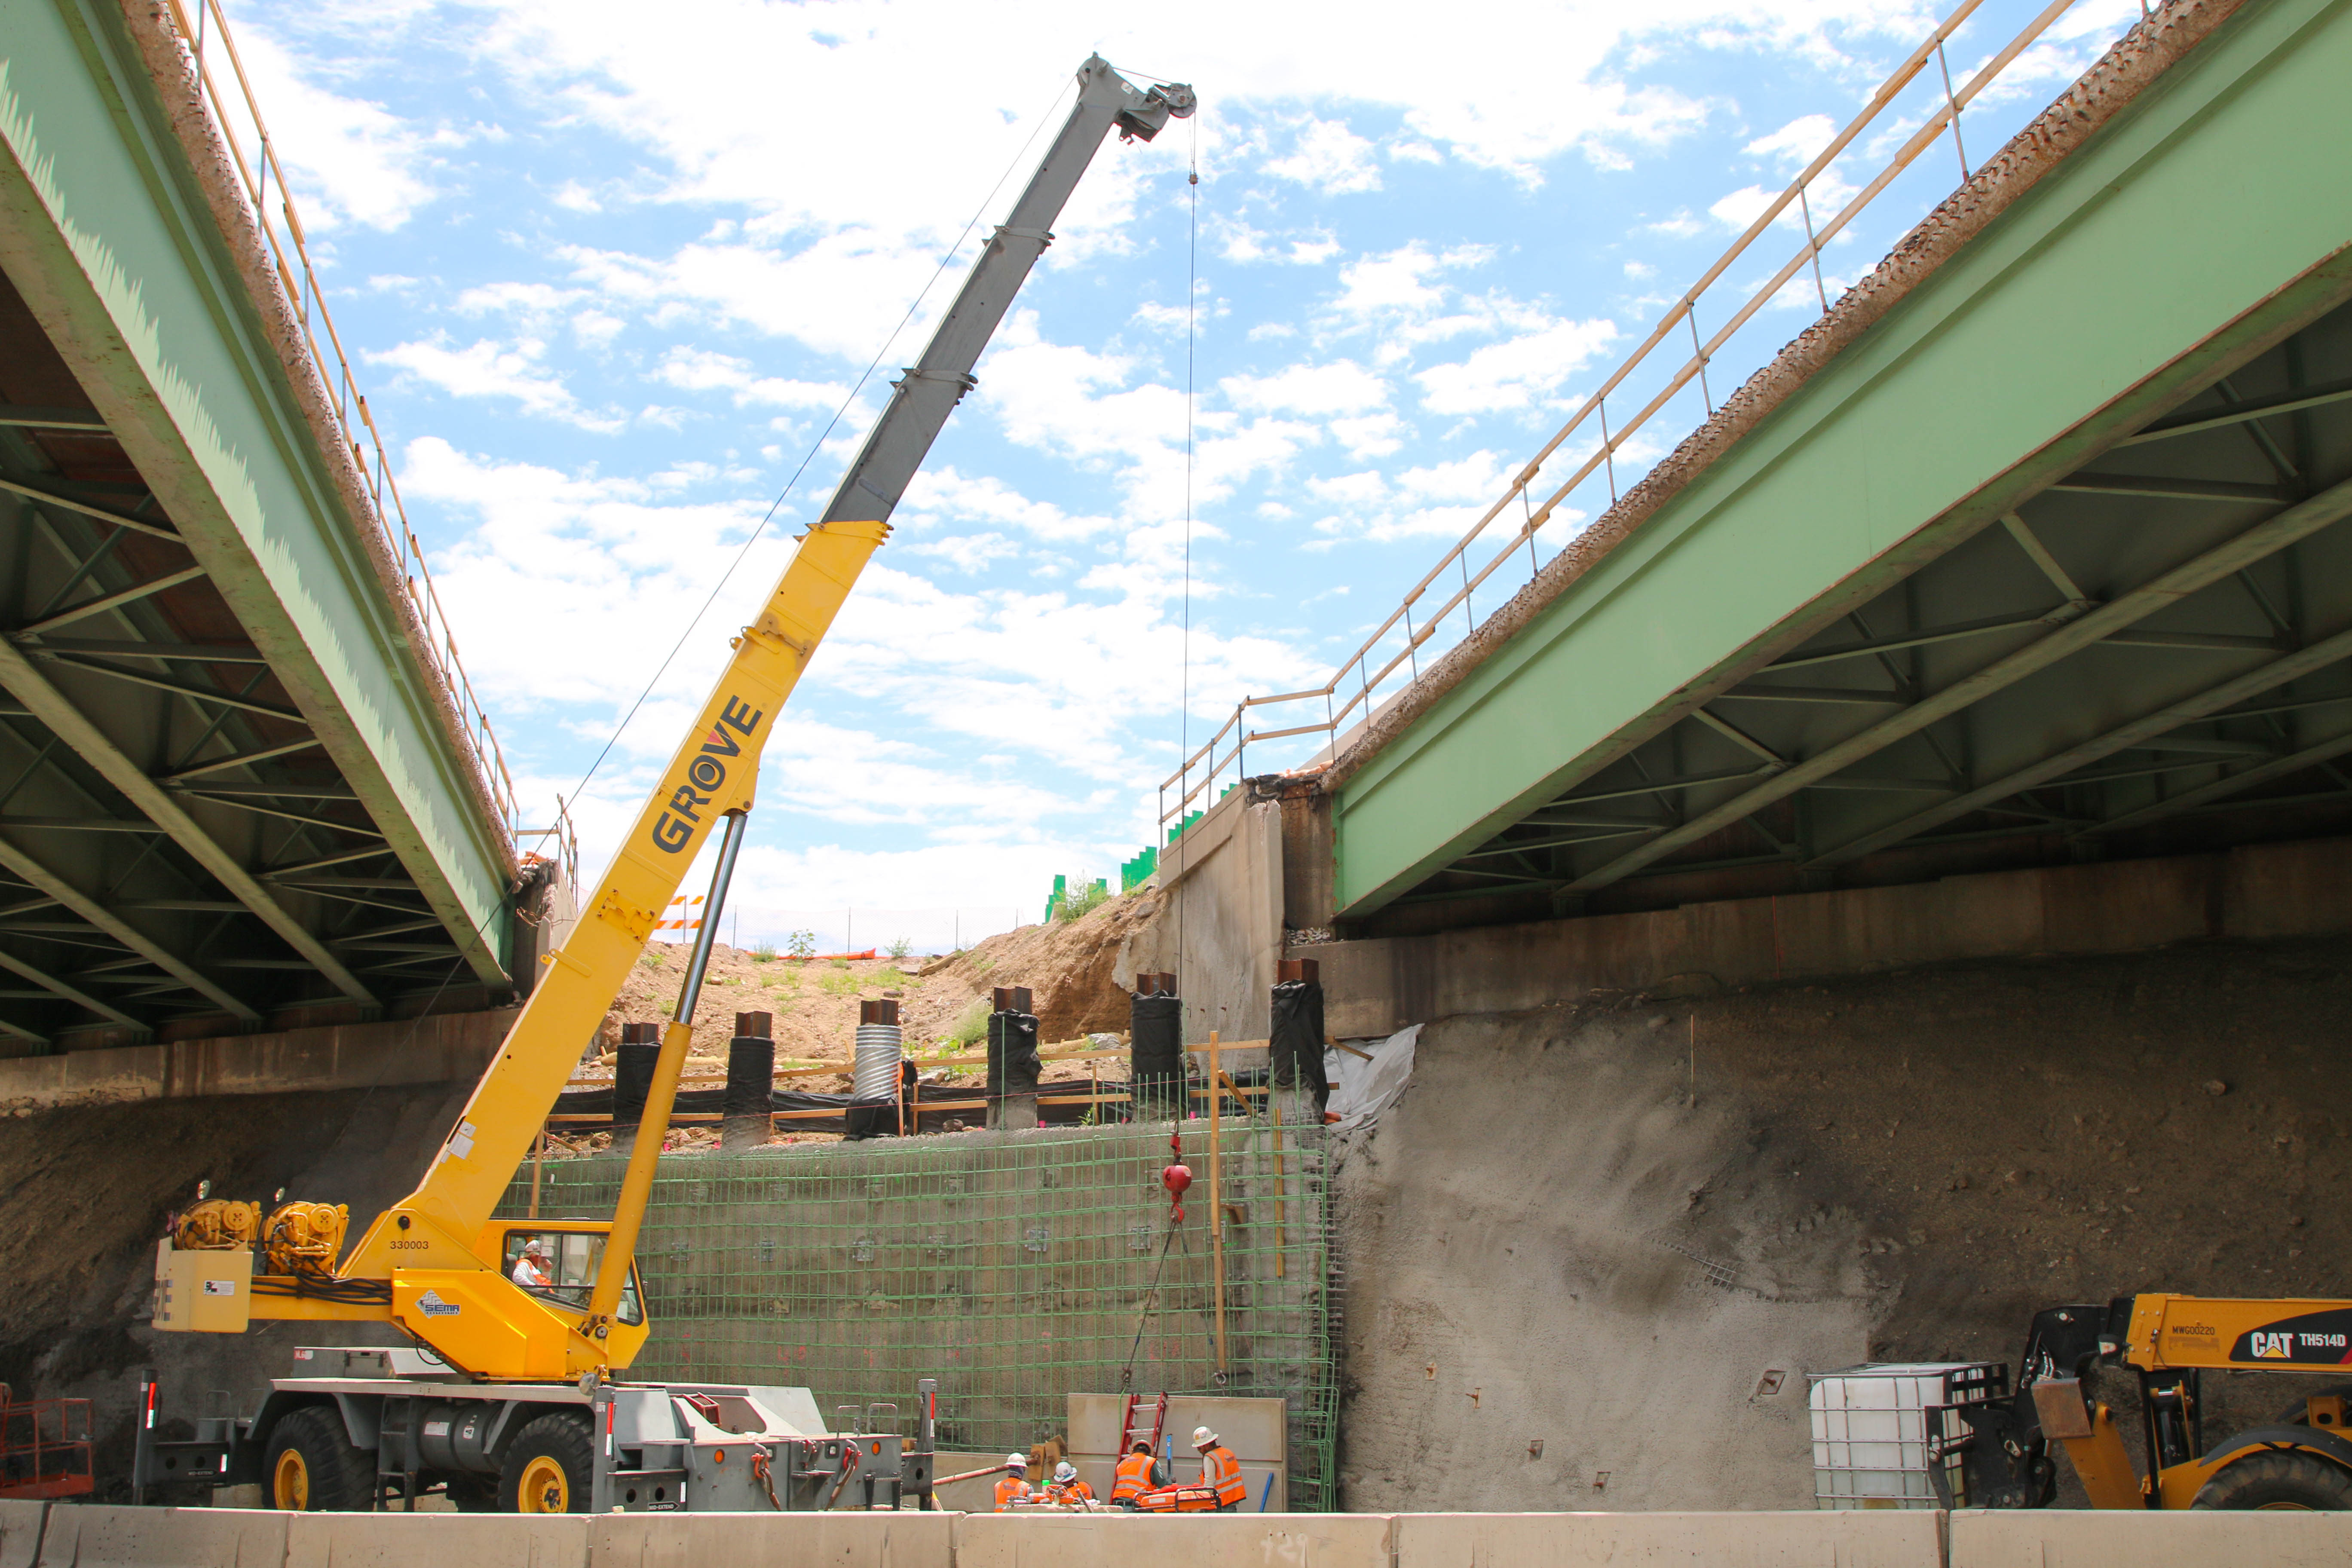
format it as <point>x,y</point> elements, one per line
<point>1517,373</point>
<point>488,369</point>
<point>352,160</point>
<point>1343,386</point>
<point>1331,159</point>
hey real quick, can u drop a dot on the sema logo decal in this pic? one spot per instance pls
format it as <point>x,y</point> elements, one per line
<point>674,829</point>
<point>220,1286</point>
<point>433,1306</point>
<point>2320,1339</point>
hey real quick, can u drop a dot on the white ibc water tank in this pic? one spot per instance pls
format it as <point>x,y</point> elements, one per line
<point>1870,1429</point>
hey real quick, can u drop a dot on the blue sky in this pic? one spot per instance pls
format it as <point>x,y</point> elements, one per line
<point>606,272</point>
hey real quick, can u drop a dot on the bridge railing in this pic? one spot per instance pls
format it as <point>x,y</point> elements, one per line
<point>1595,438</point>
<point>290,249</point>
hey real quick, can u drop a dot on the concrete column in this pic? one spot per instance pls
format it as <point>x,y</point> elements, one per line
<point>1012,1064</point>
<point>633,1078</point>
<point>750,1080</point>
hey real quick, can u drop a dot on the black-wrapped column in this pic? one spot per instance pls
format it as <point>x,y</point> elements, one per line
<point>633,1080</point>
<point>1155,1017</point>
<point>1298,1032</point>
<point>1012,1064</point>
<point>751,1080</point>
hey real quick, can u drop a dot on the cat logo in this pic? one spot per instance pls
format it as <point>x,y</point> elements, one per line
<point>2272,1347</point>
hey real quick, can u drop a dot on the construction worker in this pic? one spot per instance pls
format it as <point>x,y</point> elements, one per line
<point>1067,1489</point>
<point>1014,1487</point>
<point>1132,1479</point>
<point>531,1268</point>
<point>1220,1471</point>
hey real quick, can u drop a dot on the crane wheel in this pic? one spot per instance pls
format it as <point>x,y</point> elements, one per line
<point>2279,1479</point>
<point>312,1464</point>
<point>547,1468</point>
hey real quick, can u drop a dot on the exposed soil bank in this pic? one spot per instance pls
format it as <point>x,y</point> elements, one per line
<point>1546,1240</point>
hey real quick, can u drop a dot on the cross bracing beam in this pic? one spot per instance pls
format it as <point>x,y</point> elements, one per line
<point>105,602</point>
<point>51,706</point>
<point>2221,788</point>
<point>2238,412</point>
<point>2159,488</point>
<point>25,867</point>
<point>2209,566</point>
<point>58,987</point>
<point>176,687</point>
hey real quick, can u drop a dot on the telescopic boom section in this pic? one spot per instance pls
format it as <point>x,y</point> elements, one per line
<point>708,781</point>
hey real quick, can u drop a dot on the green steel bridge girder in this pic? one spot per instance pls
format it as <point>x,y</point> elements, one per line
<point>106,231</point>
<point>2208,220</point>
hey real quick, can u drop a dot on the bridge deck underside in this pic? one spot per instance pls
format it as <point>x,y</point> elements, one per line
<point>176,847</point>
<point>2132,637</point>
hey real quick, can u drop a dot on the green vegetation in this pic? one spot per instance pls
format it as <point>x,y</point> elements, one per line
<point>1082,901</point>
<point>801,944</point>
<point>899,948</point>
<point>982,965</point>
<point>888,974</point>
<point>838,982</point>
<point>971,1029</point>
<point>650,958</point>
<point>763,953</point>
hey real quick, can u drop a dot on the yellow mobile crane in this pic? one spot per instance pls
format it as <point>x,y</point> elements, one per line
<point>2000,1445</point>
<point>505,1396</point>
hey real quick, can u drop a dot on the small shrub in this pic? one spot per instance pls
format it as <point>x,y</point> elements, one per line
<point>765,952</point>
<point>1081,901</point>
<point>888,974</point>
<point>971,1029</point>
<point>652,960</point>
<point>801,944</point>
<point>982,965</point>
<point>837,981</point>
<point>841,964</point>
<point>899,948</point>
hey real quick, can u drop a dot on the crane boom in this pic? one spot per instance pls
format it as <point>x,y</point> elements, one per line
<point>431,1263</point>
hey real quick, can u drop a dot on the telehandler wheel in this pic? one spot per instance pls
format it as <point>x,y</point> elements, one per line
<point>310,1464</point>
<point>2279,1479</point>
<point>548,1468</point>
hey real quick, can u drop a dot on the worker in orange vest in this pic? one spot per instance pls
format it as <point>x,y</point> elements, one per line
<point>1014,1487</point>
<point>1220,1471</point>
<point>1067,1489</point>
<point>1132,1479</point>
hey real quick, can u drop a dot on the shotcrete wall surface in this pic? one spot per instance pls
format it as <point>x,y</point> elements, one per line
<point>1579,1241</point>
<point>1014,1267</point>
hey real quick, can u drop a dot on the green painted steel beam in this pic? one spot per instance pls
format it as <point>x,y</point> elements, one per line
<point>105,230</point>
<point>2209,219</point>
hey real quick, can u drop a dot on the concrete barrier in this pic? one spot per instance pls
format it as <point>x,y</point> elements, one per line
<point>20,1532</point>
<point>1861,1539</point>
<point>437,1541</point>
<point>1199,1540</point>
<point>2100,1538</point>
<point>834,1540</point>
<point>101,1535</point>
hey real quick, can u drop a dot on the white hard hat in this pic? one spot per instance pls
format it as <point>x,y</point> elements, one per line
<point>1202,1436</point>
<point>1016,1461</point>
<point>532,1245</point>
<point>1065,1471</point>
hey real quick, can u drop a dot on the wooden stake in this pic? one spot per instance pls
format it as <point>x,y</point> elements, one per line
<point>1216,1203</point>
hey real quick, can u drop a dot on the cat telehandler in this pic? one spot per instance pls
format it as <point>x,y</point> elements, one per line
<point>504,1394</point>
<point>2304,1460</point>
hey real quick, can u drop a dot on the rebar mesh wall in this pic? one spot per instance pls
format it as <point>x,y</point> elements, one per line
<point>1016,1269</point>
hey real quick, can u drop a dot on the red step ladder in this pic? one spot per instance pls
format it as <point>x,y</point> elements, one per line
<point>1135,1430</point>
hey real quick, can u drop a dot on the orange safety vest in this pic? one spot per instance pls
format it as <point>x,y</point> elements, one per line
<point>1070,1492</point>
<point>1222,1473</point>
<point>1131,1478</point>
<point>1009,1490</point>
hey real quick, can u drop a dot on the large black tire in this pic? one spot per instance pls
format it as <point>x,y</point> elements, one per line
<point>2279,1479</point>
<point>548,1468</point>
<point>311,1465</point>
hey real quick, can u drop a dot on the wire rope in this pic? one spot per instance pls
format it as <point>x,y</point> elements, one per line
<point>1184,681</point>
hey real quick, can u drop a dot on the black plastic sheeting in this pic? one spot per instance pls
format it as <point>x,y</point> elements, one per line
<point>1012,1064</point>
<point>751,1063</point>
<point>1156,1036</point>
<point>633,1079</point>
<point>1296,1039</point>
